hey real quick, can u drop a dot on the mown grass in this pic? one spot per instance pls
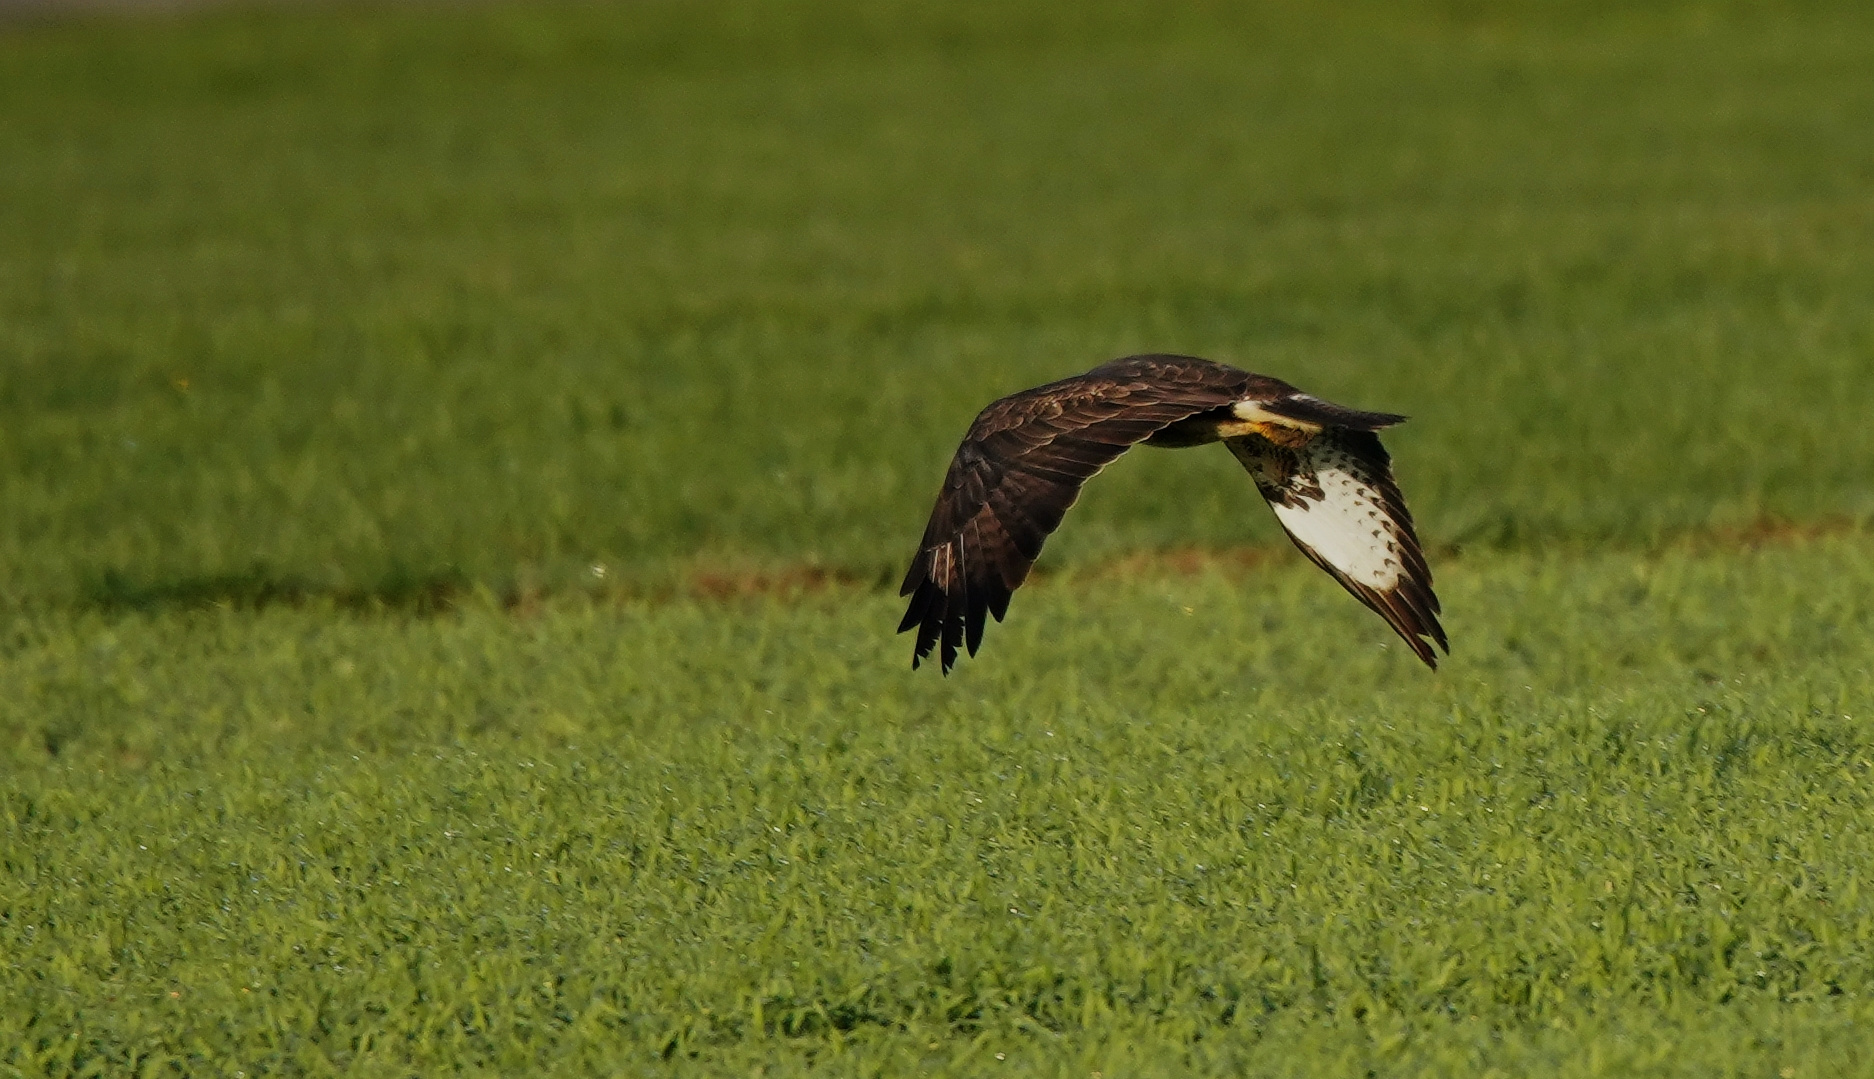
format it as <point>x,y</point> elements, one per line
<point>1217,824</point>
<point>364,301</point>
<point>447,457</point>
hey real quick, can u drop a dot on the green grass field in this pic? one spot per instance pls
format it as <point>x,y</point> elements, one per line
<point>453,461</point>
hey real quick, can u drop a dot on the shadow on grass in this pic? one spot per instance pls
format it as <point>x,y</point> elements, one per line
<point>412,593</point>
<point>439,592</point>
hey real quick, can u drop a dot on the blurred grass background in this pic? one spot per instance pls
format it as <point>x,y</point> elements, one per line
<point>376,300</point>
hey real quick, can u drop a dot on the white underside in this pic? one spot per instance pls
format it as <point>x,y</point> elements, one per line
<point>1347,528</point>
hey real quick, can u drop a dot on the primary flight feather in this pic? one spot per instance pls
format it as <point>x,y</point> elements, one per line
<point>1320,465</point>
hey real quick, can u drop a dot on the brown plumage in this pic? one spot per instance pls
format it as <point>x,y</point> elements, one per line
<point>1021,466</point>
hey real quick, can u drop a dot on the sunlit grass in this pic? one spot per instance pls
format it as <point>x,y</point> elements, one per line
<point>1195,821</point>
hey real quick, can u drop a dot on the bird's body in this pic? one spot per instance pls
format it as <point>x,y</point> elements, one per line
<point>1320,466</point>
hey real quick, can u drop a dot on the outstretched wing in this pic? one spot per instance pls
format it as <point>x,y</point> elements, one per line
<point>1018,470</point>
<point>1335,496</point>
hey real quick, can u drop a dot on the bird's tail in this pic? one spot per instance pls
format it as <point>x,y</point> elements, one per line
<point>1310,409</point>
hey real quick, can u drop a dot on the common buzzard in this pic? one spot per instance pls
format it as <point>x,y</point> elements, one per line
<point>1319,464</point>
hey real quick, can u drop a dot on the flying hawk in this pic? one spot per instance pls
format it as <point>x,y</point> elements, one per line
<point>1021,465</point>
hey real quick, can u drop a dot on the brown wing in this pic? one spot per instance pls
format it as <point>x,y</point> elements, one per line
<point>1336,498</point>
<point>1021,466</point>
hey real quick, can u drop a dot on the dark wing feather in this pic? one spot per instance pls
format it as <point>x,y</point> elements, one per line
<point>1336,498</point>
<point>1019,469</point>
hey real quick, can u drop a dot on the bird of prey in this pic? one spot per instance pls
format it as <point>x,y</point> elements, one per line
<point>1320,466</point>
